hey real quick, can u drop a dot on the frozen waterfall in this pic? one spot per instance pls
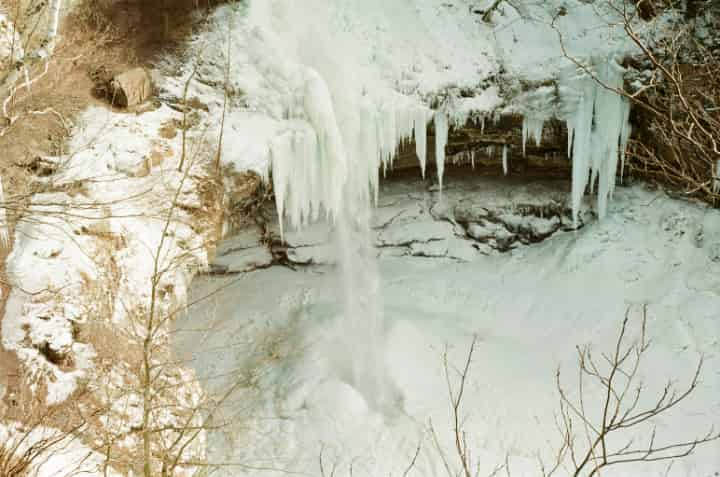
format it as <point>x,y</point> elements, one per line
<point>327,163</point>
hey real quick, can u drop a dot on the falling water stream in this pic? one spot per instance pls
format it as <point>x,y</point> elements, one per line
<point>360,325</point>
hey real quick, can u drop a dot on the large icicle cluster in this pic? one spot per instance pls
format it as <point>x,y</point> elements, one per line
<point>532,127</point>
<point>325,163</point>
<point>598,132</point>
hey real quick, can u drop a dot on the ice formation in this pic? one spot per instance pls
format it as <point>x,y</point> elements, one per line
<point>505,159</point>
<point>532,127</point>
<point>420,131</point>
<point>441,137</point>
<point>311,157</point>
<point>324,164</point>
<point>598,132</point>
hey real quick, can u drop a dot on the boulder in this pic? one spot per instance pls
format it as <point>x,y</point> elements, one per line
<point>131,88</point>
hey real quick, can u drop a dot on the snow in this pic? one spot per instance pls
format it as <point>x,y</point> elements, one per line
<point>528,307</point>
<point>88,256</point>
<point>329,90</point>
<point>359,83</point>
<point>529,45</point>
<point>323,94</point>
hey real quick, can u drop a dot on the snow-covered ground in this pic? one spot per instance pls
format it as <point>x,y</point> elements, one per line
<point>283,332</point>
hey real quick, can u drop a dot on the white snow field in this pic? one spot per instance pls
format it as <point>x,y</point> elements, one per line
<point>282,331</point>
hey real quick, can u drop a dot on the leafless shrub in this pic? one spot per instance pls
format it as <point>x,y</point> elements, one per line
<point>462,457</point>
<point>589,443</point>
<point>592,444</point>
<point>45,432</point>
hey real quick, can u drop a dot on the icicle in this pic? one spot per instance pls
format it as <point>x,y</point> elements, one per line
<point>716,180</point>
<point>532,127</point>
<point>391,135</point>
<point>504,159</point>
<point>598,131</point>
<point>280,176</point>
<point>482,125</point>
<point>309,163</point>
<point>420,128</point>
<point>441,136</point>
<point>581,124</point>
<point>472,159</point>
<point>627,130</point>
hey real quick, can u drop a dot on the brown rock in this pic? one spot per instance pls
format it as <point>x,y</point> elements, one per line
<point>131,88</point>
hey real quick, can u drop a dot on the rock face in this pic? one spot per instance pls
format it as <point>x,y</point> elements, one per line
<point>475,215</point>
<point>243,252</point>
<point>479,144</point>
<point>131,88</point>
<point>531,214</point>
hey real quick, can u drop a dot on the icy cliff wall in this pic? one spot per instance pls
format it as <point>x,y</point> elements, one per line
<point>327,91</point>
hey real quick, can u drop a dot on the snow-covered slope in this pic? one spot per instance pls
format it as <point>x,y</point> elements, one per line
<point>528,308</point>
<point>85,258</point>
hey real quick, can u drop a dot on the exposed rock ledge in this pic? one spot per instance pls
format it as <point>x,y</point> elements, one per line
<point>474,215</point>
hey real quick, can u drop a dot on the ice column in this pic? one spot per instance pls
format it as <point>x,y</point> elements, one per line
<point>441,136</point>
<point>505,159</point>
<point>598,132</point>
<point>420,130</point>
<point>532,127</point>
